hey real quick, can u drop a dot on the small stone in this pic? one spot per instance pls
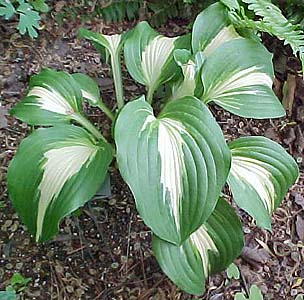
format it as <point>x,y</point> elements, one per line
<point>92,271</point>
<point>6,225</point>
<point>9,266</point>
<point>115,265</point>
<point>133,235</point>
<point>70,289</point>
<point>112,201</point>
<point>14,227</point>
<point>293,292</point>
<point>246,230</point>
<point>79,292</point>
<point>136,246</point>
<point>124,259</point>
<point>147,254</point>
<point>59,269</point>
<point>19,265</point>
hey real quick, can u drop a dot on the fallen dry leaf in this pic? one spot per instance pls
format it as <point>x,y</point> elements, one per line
<point>299,199</point>
<point>289,88</point>
<point>300,227</point>
<point>255,257</point>
<point>272,134</point>
<point>3,120</point>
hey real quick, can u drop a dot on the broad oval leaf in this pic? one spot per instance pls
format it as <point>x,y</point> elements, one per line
<point>89,88</point>
<point>210,249</point>
<point>55,171</point>
<point>148,56</point>
<point>261,173</point>
<point>175,164</point>
<point>53,97</point>
<point>212,27</point>
<point>238,77</point>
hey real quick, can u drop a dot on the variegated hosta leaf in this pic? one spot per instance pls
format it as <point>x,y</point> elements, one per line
<point>190,84</point>
<point>112,43</point>
<point>148,56</point>
<point>53,97</point>
<point>208,250</point>
<point>212,28</point>
<point>238,77</point>
<point>186,86</point>
<point>175,164</point>
<point>109,44</point>
<point>261,173</point>
<point>89,88</point>
<point>55,171</point>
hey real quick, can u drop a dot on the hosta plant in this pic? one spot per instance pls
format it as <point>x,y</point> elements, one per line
<point>176,162</point>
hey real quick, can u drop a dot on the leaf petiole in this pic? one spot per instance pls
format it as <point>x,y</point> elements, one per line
<point>105,109</point>
<point>89,126</point>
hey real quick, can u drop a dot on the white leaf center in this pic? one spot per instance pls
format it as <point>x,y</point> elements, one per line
<point>245,78</point>
<point>172,162</point>
<point>154,57</point>
<point>51,100</point>
<point>187,86</point>
<point>113,41</point>
<point>203,243</point>
<point>225,35</point>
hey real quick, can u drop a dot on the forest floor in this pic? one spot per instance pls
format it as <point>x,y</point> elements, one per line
<point>104,252</point>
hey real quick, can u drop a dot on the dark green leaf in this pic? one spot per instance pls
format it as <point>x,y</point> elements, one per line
<point>210,249</point>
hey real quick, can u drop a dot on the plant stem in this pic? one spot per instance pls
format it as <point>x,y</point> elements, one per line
<point>116,69</point>
<point>105,109</point>
<point>150,95</point>
<point>89,126</point>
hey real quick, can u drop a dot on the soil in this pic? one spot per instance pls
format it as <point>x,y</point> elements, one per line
<point>104,251</point>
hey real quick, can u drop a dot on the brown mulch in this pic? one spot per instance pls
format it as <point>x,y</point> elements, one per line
<point>104,253</point>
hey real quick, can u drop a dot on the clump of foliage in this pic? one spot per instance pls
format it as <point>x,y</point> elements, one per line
<point>259,15</point>
<point>17,284</point>
<point>271,20</point>
<point>293,9</point>
<point>254,294</point>
<point>26,11</point>
<point>176,163</point>
<point>156,11</point>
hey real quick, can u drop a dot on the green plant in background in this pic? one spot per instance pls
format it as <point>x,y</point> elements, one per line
<point>28,13</point>
<point>16,285</point>
<point>8,295</point>
<point>254,294</point>
<point>270,20</point>
<point>233,272</point>
<point>259,15</point>
<point>176,163</point>
<point>293,9</point>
